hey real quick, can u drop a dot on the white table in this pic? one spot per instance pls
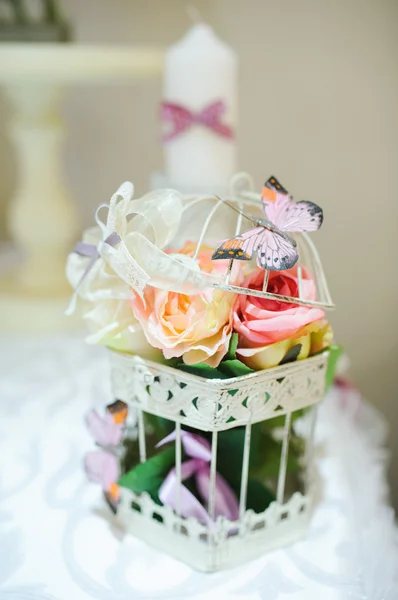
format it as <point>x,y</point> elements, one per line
<point>58,541</point>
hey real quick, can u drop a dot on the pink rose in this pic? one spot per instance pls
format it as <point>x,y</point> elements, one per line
<point>197,327</point>
<point>269,328</point>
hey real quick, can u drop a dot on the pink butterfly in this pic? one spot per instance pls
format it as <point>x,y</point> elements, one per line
<point>269,240</point>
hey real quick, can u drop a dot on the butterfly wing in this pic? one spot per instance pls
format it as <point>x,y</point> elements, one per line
<point>301,216</point>
<point>112,496</point>
<point>273,251</point>
<point>119,411</point>
<point>241,247</point>
<point>272,189</point>
<point>288,215</point>
<point>276,253</point>
<point>104,429</point>
<point>101,467</point>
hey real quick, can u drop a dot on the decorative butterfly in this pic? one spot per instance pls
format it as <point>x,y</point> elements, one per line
<point>269,239</point>
<point>101,465</point>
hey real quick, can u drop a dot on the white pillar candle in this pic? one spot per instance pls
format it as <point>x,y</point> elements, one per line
<point>200,69</point>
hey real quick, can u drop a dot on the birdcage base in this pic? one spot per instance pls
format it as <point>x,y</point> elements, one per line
<point>228,544</point>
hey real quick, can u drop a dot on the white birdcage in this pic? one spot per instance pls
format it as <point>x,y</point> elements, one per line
<point>207,405</point>
<point>211,406</point>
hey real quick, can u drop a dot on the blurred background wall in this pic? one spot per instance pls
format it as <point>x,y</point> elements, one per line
<point>318,108</point>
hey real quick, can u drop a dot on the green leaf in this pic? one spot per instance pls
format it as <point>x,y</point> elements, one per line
<point>160,426</point>
<point>276,422</point>
<point>172,362</point>
<point>230,453</point>
<point>149,475</point>
<point>291,355</point>
<point>202,370</point>
<point>233,344</point>
<point>234,368</point>
<point>267,464</point>
<point>229,367</point>
<point>259,497</point>
<point>334,354</point>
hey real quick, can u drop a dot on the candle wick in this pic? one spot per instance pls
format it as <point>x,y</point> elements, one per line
<point>194,14</point>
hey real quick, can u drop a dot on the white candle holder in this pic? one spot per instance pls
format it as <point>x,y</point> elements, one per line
<point>42,216</point>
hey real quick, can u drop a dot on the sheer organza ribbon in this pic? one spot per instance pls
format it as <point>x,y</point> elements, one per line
<point>92,252</point>
<point>181,119</point>
<point>124,253</point>
<point>184,501</point>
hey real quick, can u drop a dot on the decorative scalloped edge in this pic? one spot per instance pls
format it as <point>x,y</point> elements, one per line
<point>217,404</point>
<point>226,544</point>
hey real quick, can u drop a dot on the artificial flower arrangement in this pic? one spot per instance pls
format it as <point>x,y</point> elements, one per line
<point>218,354</point>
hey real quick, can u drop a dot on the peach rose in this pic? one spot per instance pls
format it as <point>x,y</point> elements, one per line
<point>269,328</point>
<point>197,327</point>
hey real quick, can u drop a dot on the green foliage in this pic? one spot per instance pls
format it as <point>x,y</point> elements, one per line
<point>229,367</point>
<point>279,422</point>
<point>291,355</point>
<point>334,354</point>
<point>259,497</point>
<point>234,368</point>
<point>233,344</point>
<point>202,370</point>
<point>229,465</point>
<point>149,475</point>
<point>266,465</point>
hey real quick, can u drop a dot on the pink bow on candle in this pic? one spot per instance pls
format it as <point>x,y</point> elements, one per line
<point>225,502</point>
<point>182,119</point>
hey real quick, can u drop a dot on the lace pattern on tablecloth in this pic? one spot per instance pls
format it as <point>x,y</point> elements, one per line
<point>58,541</point>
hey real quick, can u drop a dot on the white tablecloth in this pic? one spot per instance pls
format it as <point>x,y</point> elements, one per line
<point>58,541</point>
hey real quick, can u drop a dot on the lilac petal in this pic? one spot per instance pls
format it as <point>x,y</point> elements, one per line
<point>194,445</point>
<point>101,467</point>
<point>189,505</point>
<point>104,429</point>
<point>225,501</point>
<point>189,467</point>
<point>169,438</point>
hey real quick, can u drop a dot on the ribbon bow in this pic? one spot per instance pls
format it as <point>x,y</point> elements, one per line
<point>182,119</point>
<point>90,251</point>
<point>198,449</point>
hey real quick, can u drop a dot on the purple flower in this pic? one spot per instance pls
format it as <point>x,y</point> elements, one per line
<point>199,451</point>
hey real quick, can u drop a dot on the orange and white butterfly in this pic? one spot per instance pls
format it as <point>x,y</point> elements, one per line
<point>101,465</point>
<point>269,239</point>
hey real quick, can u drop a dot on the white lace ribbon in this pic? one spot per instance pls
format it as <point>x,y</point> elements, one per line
<point>124,254</point>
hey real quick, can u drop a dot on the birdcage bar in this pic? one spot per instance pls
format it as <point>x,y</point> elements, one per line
<point>228,273</point>
<point>300,281</point>
<point>309,447</point>
<point>213,472</point>
<point>178,466</point>
<point>231,262</point>
<point>205,227</point>
<point>245,470</point>
<point>265,282</point>
<point>319,274</point>
<point>280,492</point>
<point>192,201</point>
<point>280,298</point>
<point>141,435</point>
<point>252,196</point>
